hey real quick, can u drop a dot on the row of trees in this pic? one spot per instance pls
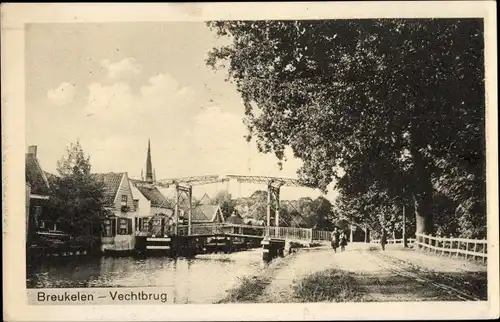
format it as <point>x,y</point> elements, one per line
<point>305,212</point>
<point>391,110</point>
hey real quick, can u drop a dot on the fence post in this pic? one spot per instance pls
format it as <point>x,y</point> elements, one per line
<point>485,247</point>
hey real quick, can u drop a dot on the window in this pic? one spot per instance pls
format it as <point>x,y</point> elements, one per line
<point>136,204</point>
<point>124,200</point>
<point>122,227</point>
<point>108,227</point>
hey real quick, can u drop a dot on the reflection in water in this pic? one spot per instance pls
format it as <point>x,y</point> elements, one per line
<point>200,280</point>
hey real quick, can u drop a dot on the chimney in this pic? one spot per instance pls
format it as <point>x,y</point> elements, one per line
<point>32,149</point>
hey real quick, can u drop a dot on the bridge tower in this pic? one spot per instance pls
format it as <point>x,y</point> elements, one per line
<point>184,189</point>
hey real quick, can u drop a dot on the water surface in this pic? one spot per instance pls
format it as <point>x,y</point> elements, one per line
<point>203,279</point>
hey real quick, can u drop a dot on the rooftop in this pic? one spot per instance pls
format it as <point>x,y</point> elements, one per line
<point>152,193</point>
<point>111,182</point>
<point>35,176</point>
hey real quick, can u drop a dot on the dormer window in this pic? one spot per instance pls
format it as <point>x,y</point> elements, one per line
<point>124,200</point>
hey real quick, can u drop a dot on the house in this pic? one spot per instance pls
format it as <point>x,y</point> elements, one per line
<point>205,214</point>
<point>119,226</point>
<point>38,190</point>
<point>149,201</point>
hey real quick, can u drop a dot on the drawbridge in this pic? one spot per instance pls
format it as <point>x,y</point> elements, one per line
<point>272,228</point>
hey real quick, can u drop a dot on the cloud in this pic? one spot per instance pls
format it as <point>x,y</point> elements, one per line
<point>122,69</point>
<point>106,100</point>
<point>218,138</point>
<point>63,94</point>
<point>160,96</point>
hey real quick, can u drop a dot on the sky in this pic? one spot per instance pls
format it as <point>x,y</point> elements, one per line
<point>113,86</point>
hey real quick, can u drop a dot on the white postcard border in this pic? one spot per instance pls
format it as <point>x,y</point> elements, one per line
<point>14,16</point>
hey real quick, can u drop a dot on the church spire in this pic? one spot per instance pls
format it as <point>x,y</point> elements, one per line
<point>149,166</point>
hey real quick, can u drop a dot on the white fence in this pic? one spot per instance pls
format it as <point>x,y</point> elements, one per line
<point>410,241</point>
<point>468,248</point>
<point>321,235</point>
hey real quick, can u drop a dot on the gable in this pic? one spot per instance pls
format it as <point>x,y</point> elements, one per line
<point>235,219</point>
<point>112,184</point>
<point>205,213</point>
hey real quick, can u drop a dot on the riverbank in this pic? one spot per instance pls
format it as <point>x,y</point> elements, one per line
<point>360,274</point>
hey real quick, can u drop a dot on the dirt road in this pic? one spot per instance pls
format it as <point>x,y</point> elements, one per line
<point>394,275</point>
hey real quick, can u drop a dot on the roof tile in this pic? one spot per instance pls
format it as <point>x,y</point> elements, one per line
<point>111,185</point>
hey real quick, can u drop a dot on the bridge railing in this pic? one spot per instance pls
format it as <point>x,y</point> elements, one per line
<point>321,235</point>
<point>248,230</point>
<point>245,230</point>
<point>201,229</point>
<point>304,234</point>
<point>468,248</point>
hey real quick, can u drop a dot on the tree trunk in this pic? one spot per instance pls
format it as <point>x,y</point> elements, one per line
<point>422,194</point>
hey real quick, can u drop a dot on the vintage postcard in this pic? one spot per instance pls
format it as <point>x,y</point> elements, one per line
<point>237,161</point>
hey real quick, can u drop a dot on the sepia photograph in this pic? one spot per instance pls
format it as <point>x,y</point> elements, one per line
<point>231,161</point>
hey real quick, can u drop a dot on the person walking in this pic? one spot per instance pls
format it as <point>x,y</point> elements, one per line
<point>335,239</point>
<point>383,239</point>
<point>343,241</point>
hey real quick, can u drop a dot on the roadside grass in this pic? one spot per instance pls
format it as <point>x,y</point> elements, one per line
<point>327,286</point>
<point>248,290</point>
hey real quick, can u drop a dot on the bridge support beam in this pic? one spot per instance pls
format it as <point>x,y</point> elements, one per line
<point>180,193</point>
<point>273,207</point>
<point>268,219</point>
<point>190,210</point>
<point>275,193</point>
<point>176,210</point>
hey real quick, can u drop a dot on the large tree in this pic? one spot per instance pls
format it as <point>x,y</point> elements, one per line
<point>78,199</point>
<point>388,105</point>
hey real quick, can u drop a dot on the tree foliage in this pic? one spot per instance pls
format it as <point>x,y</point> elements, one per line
<point>225,201</point>
<point>385,107</point>
<point>78,199</point>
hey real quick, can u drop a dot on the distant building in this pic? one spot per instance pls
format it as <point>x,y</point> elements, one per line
<point>205,214</point>
<point>150,172</point>
<point>205,200</point>
<point>148,199</point>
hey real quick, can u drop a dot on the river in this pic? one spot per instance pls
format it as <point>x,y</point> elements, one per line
<point>200,280</point>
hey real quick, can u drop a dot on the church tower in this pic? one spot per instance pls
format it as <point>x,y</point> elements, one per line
<point>149,166</point>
